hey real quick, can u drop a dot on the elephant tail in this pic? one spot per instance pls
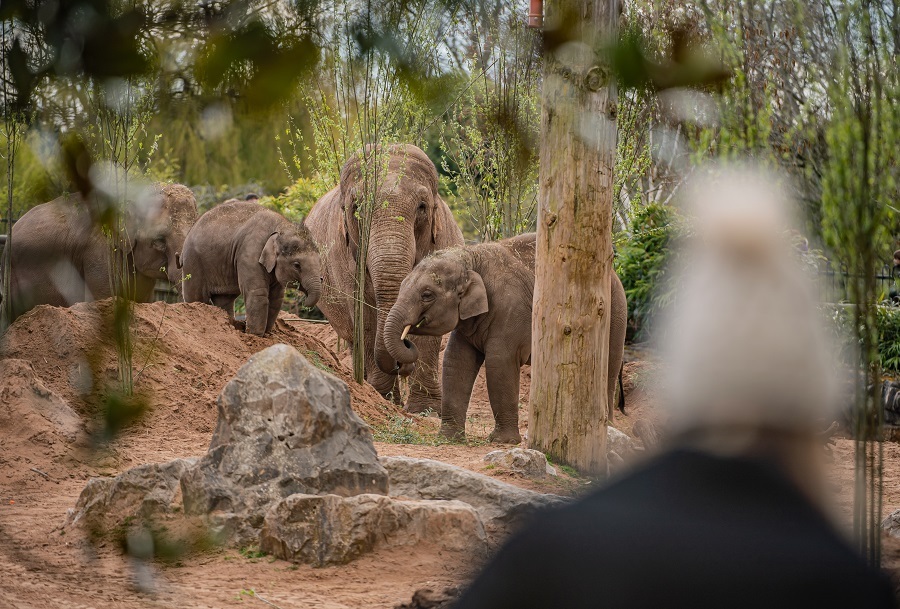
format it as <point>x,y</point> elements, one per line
<point>621,389</point>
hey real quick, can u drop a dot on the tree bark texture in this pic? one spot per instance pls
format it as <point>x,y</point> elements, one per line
<point>571,321</point>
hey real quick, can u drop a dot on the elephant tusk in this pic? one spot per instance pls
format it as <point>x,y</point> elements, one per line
<point>405,332</point>
<point>421,321</point>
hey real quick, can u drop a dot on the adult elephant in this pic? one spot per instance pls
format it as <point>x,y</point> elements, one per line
<point>409,221</point>
<point>60,256</point>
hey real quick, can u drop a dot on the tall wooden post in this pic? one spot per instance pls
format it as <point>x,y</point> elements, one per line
<point>570,325</point>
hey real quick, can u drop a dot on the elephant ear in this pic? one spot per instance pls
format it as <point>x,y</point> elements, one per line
<point>473,301</point>
<point>269,253</point>
<point>128,234</point>
<point>436,226</point>
<point>445,231</point>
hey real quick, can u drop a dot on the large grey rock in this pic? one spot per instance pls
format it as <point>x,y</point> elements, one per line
<point>499,504</point>
<point>526,461</point>
<point>429,598</point>
<point>138,495</point>
<point>285,427</point>
<point>891,524</point>
<point>619,442</point>
<point>328,529</point>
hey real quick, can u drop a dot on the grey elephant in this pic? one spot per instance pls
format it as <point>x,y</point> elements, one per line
<point>482,294</point>
<point>60,256</point>
<point>240,247</point>
<point>409,222</point>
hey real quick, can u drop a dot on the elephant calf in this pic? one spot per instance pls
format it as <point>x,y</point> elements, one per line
<point>242,248</point>
<point>483,295</point>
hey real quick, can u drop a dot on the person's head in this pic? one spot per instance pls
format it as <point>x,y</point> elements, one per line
<point>252,197</point>
<point>750,369</point>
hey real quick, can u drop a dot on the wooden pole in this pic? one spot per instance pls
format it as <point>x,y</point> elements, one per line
<point>570,325</point>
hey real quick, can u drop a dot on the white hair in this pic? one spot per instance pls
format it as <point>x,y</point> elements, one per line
<point>744,345</point>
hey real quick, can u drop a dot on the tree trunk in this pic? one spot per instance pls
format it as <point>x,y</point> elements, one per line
<point>570,325</point>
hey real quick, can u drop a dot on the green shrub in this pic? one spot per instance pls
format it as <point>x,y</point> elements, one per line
<point>295,202</point>
<point>888,320</point>
<point>642,261</point>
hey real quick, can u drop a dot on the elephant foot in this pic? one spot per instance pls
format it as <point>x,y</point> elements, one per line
<point>417,404</point>
<point>453,432</point>
<point>505,436</point>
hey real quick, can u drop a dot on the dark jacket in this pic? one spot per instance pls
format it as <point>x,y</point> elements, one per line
<point>686,530</point>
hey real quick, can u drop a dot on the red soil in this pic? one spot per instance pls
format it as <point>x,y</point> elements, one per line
<point>184,354</point>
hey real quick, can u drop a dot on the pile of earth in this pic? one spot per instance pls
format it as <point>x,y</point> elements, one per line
<point>57,362</point>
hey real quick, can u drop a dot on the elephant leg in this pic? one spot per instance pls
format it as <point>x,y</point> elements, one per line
<point>256,302</point>
<point>192,291</point>
<point>502,371</point>
<point>462,362</point>
<point>226,302</point>
<point>276,297</point>
<point>618,324</point>
<point>424,384</point>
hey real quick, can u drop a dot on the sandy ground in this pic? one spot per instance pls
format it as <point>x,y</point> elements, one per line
<point>45,461</point>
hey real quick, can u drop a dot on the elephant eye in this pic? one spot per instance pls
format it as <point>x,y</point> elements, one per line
<point>427,295</point>
<point>422,206</point>
<point>159,243</point>
<point>297,265</point>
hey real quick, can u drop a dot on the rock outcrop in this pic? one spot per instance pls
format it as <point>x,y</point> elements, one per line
<point>142,494</point>
<point>293,470</point>
<point>328,529</point>
<point>499,504</point>
<point>285,427</point>
<point>619,442</point>
<point>525,461</point>
<point>891,524</point>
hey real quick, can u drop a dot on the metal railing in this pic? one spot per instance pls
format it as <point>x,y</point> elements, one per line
<point>833,282</point>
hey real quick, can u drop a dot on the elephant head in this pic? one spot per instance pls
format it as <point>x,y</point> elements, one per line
<point>438,294</point>
<point>292,254</point>
<point>398,186</point>
<point>157,227</point>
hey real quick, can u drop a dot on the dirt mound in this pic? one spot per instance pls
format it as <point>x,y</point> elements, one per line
<point>183,356</point>
<point>38,426</point>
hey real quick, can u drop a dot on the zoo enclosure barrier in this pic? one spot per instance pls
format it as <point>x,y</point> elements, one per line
<point>833,282</point>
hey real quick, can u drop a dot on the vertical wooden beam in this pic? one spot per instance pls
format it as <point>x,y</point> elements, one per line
<point>570,325</point>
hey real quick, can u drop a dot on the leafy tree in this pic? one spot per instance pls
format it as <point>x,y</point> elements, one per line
<point>643,262</point>
<point>491,131</point>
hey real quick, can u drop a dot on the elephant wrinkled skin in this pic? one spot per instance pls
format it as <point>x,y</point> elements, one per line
<point>482,294</point>
<point>60,256</point>
<point>409,222</point>
<point>241,247</point>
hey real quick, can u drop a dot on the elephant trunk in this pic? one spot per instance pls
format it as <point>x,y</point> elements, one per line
<point>390,259</point>
<point>312,285</point>
<point>400,348</point>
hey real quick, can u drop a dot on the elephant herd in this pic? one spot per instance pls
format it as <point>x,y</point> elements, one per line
<point>421,280</point>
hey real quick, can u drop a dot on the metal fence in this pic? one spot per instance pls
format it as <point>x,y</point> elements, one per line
<point>833,282</point>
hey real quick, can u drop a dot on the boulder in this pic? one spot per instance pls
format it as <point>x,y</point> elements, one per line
<point>525,461</point>
<point>891,524</point>
<point>499,504</point>
<point>429,598</point>
<point>619,442</point>
<point>140,494</point>
<point>329,529</point>
<point>285,427</point>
